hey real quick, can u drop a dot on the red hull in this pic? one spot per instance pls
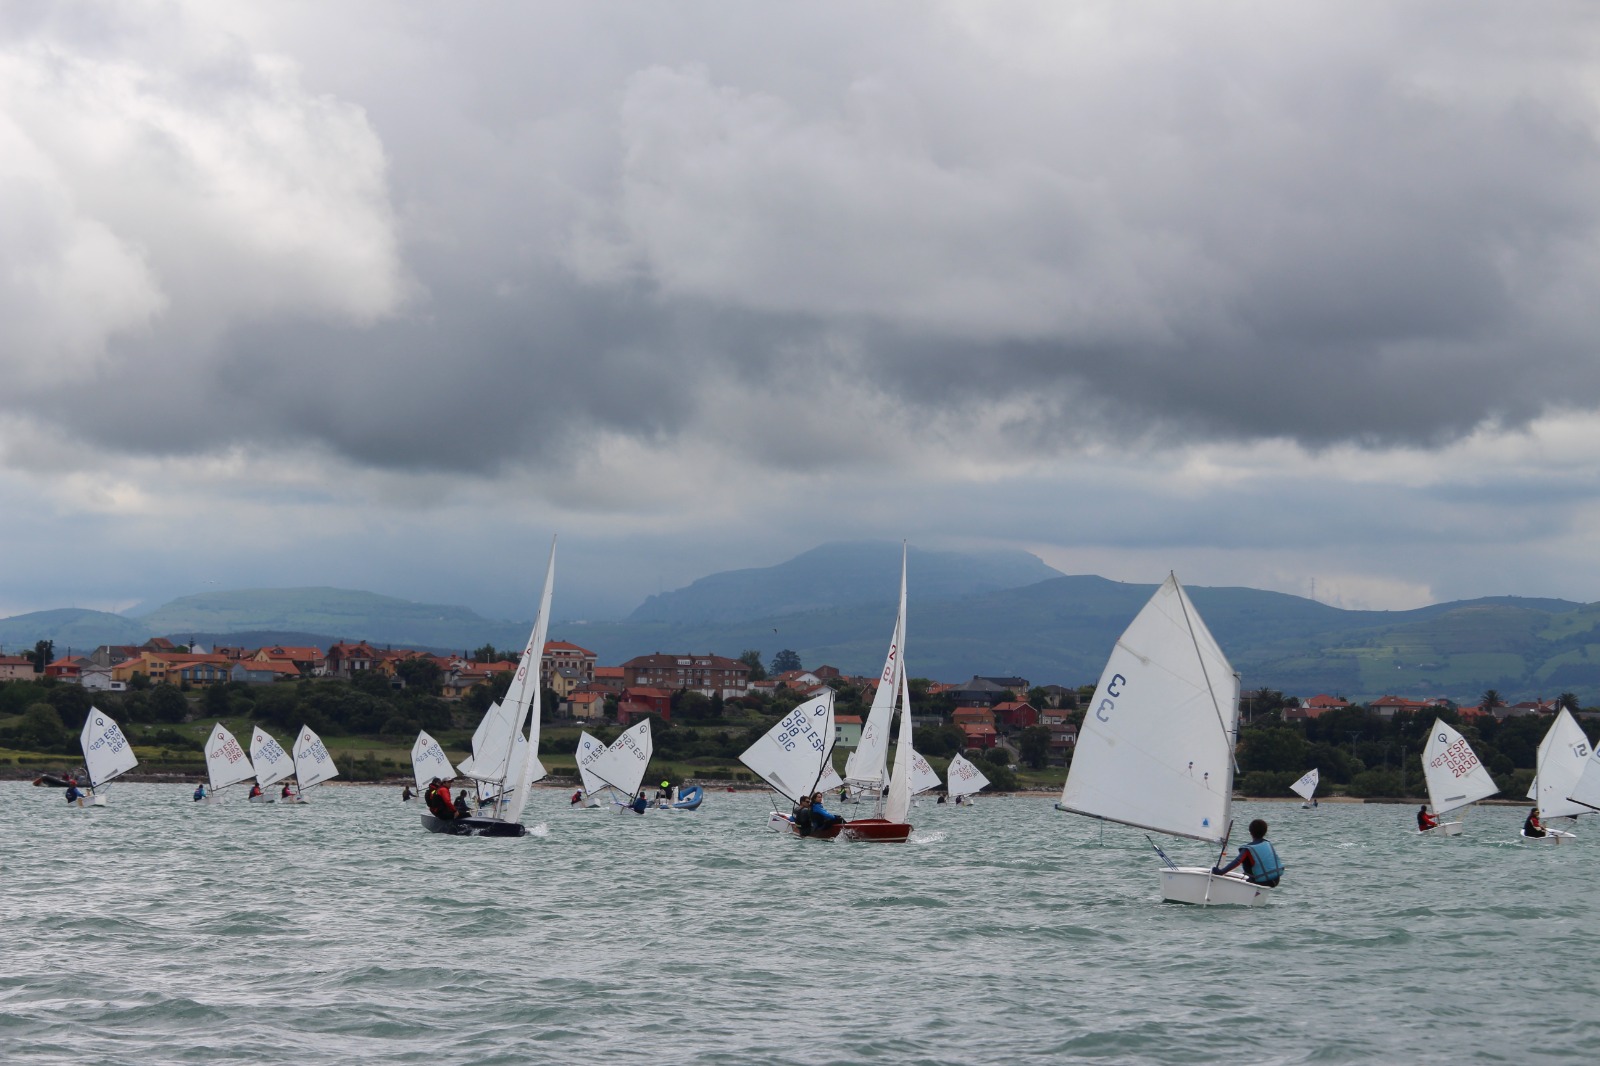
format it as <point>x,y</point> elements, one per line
<point>876,830</point>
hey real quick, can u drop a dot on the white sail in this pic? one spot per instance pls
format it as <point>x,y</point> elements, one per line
<point>867,766</point>
<point>272,763</point>
<point>792,756</point>
<point>1562,756</point>
<point>923,776</point>
<point>1306,787</point>
<point>622,765</point>
<point>107,752</point>
<point>1587,791</point>
<point>965,778</point>
<point>492,744</point>
<point>1455,776</point>
<point>589,750</point>
<point>1156,746</point>
<point>312,763</point>
<point>226,762</point>
<point>428,761</point>
<point>897,808</point>
<point>830,778</point>
<point>524,696</point>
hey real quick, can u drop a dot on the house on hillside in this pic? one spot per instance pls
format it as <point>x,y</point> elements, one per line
<point>979,692</point>
<point>639,701</point>
<point>1015,714</point>
<point>587,705</point>
<point>308,662</point>
<point>977,725</point>
<point>710,675</point>
<point>1063,738</point>
<point>847,730</point>
<point>263,671</point>
<point>347,660</point>
<point>1313,706</point>
<point>16,668</point>
<point>569,662</point>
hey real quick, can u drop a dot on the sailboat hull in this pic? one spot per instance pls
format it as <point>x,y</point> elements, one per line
<point>1443,829</point>
<point>1202,888</point>
<point>1551,838</point>
<point>871,830</point>
<point>473,827</point>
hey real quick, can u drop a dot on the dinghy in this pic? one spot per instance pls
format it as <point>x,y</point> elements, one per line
<point>1563,754</point>
<point>866,768</point>
<point>621,766</point>
<point>1586,791</point>
<point>428,761</point>
<point>272,763</point>
<point>107,755</point>
<point>506,756</point>
<point>792,755</point>
<point>1306,789</point>
<point>226,763</point>
<point>312,765</point>
<point>965,779</point>
<point>1156,747</point>
<point>923,776</point>
<point>590,787</point>
<point>1455,778</point>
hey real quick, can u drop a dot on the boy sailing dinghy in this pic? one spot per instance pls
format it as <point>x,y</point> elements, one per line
<point>621,766</point>
<point>1455,777</point>
<point>1306,789</point>
<point>589,749</point>
<point>795,756</point>
<point>312,765</point>
<point>1563,754</point>
<point>965,779</point>
<point>507,759</point>
<point>272,763</point>
<point>107,754</point>
<point>226,763</point>
<point>1156,747</point>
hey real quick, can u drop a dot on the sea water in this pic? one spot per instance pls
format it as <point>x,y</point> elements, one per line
<point>159,930</point>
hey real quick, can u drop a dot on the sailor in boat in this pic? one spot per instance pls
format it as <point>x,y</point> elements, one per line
<point>73,795</point>
<point>942,798</point>
<point>200,792</point>
<point>406,795</point>
<point>577,797</point>
<point>463,805</point>
<point>639,804</point>
<point>821,817</point>
<point>1533,827</point>
<point>438,800</point>
<point>664,794</point>
<point>802,818</point>
<point>255,790</point>
<point>287,793</point>
<point>1261,863</point>
<point>1425,821</point>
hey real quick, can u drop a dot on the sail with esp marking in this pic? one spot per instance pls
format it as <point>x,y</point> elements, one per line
<point>272,763</point>
<point>792,756</point>
<point>312,763</point>
<point>107,752</point>
<point>226,762</point>
<point>964,778</point>
<point>1306,787</point>
<point>1451,768</point>
<point>428,761</point>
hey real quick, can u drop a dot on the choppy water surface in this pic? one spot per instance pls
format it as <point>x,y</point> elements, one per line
<point>162,931</point>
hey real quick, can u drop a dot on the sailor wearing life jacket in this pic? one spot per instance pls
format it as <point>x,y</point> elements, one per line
<point>1260,859</point>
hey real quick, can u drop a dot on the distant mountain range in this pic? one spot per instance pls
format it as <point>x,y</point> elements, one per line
<point>996,613</point>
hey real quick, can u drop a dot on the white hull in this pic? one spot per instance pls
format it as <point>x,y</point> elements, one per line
<point>1551,837</point>
<point>97,801</point>
<point>1443,829</point>
<point>1201,887</point>
<point>291,799</point>
<point>260,799</point>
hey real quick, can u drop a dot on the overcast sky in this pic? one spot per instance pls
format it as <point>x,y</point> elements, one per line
<point>381,294</point>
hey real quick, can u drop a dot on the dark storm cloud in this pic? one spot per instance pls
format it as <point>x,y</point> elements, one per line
<point>1354,225</point>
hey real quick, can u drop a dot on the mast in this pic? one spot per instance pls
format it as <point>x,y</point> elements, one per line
<point>525,690</point>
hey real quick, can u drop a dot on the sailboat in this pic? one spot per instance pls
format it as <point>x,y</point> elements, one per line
<point>428,761</point>
<point>1455,777</point>
<point>865,768</point>
<point>1306,789</point>
<point>107,754</point>
<point>794,755</point>
<point>226,763</point>
<point>507,758</point>
<point>312,765</point>
<point>965,779</point>
<point>590,748</point>
<point>1563,754</point>
<point>1156,747</point>
<point>272,763</point>
<point>923,776</point>
<point>621,766</point>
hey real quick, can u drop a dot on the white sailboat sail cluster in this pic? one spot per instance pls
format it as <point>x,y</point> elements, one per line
<point>1454,776</point>
<point>621,766</point>
<point>272,763</point>
<point>107,753</point>
<point>1156,747</point>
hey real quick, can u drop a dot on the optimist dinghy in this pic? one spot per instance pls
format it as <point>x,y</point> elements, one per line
<point>1455,778</point>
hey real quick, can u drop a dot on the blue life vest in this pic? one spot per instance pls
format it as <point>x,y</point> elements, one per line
<point>1266,867</point>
